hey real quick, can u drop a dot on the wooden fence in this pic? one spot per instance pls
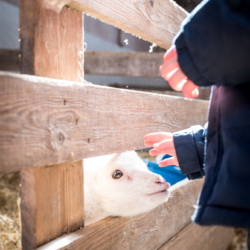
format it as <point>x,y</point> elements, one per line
<point>48,125</point>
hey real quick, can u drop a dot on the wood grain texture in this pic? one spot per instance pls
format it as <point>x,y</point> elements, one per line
<point>51,43</point>
<point>52,202</point>
<point>135,64</point>
<point>138,64</point>
<point>52,196</point>
<point>9,59</point>
<point>148,231</point>
<point>46,121</point>
<point>155,21</point>
<point>194,237</point>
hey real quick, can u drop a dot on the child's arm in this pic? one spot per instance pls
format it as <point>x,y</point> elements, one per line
<point>186,147</point>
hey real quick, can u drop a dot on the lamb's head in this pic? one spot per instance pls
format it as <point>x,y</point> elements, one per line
<point>125,186</point>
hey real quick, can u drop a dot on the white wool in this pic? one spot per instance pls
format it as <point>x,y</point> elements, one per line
<point>137,191</point>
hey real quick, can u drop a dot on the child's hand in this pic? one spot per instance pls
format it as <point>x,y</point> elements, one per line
<point>162,144</point>
<point>171,71</point>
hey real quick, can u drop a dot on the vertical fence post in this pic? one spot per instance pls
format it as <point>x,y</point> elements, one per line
<point>52,196</point>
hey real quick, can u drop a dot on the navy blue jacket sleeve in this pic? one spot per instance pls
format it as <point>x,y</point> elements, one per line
<point>189,146</point>
<point>213,45</point>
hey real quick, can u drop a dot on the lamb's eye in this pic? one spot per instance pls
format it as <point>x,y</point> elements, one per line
<point>117,174</point>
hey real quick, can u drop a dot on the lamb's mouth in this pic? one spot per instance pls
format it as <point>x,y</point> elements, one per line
<point>159,192</point>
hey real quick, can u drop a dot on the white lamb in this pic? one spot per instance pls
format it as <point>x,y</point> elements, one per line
<point>120,185</point>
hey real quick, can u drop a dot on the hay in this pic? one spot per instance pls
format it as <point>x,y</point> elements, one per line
<point>240,240</point>
<point>10,224</point>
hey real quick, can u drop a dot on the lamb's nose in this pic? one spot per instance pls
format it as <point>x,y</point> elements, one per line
<point>160,180</point>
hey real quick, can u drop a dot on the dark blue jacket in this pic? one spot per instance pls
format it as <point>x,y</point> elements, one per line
<point>214,50</point>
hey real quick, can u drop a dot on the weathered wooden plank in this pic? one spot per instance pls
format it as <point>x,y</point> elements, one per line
<point>155,21</point>
<point>46,121</point>
<point>201,238</point>
<point>148,231</point>
<point>138,64</point>
<point>187,5</point>
<point>51,43</point>
<point>52,196</point>
<point>52,202</point>
<point>9,59</point>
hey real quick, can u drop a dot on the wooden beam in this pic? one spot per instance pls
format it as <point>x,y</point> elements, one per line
<point>135,64</point>
<point>155,21</point>
<point>51,43</point>
<point>52,202</point>
<point>201,238</point>
<point>51,196</point>
<point>138,64</point>
<point>147,231</point>
<point>45,121</point>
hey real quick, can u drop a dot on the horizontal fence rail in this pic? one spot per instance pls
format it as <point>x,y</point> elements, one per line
<point>136,64</point>
<point>147,231</point>
<point>46,121</point>
<point>198,237</point>
<point>155,21</point>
